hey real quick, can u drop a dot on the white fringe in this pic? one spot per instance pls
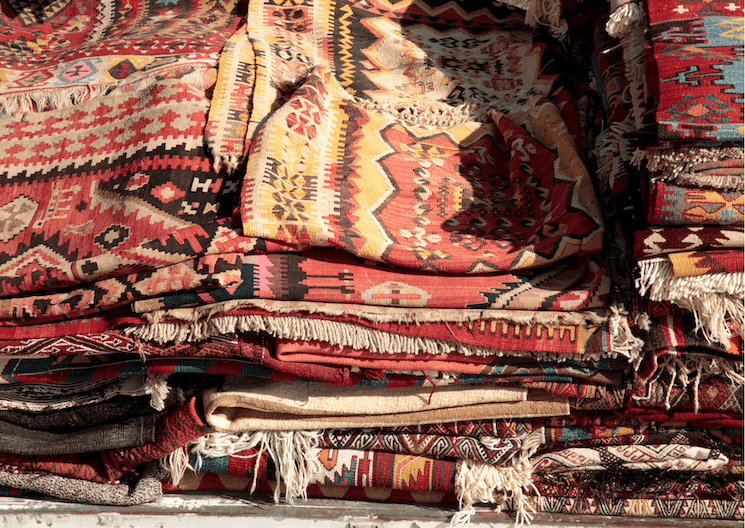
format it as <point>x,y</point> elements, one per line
<point>294,454</point>
<point>726,182</point>
<point>547,13</point>
<point>623,19</point>
<point>714,299</point>
<point>176,464</point>
<point>687,372</point>
<point>671,162</point>
<point>57,98</point>
<point>487,483</point>
<point>158,389</point>
<point>434,114</point>
<point>359,337</point>
<point>623,341</point>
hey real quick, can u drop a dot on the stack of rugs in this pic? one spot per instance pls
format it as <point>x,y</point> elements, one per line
<point>453,252</point>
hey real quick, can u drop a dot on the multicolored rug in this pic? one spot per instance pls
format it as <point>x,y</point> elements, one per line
<point>660,240</point>
<point>675,205</point>
<point>57,54</point>
<point>695,70</point>
<point>414,146</point>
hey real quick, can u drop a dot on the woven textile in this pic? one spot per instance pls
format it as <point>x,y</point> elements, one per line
<point>369,150</point>
<point>676,205</point>
<point>659,240</point>
<point>227,123</point>
<point>628,494</point>
<point>74,186</point>
<point>490,451</point>
<point>694,263</point>
<point>673,457</point>
<point>177,429</point>
<point>695,70</point>
<point>598,372</point>
<point>332,276</point>
<point>137,490</point>
<point>486,337</point>
<point>55,54</point>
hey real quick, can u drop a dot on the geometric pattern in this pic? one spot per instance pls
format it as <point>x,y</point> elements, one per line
<point>416,169</point>
<point>64,49</point>
<point>696,69</point>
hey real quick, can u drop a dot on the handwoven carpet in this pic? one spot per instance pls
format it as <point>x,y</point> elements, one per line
<point>58,53</point>
<point>392,149</point>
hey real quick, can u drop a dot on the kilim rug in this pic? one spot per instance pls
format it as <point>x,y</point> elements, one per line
<point>676,205</point>
<point>76,183</point>
<point>658,495</point>
<point>483,338</point>
<point>59,53</point>
<point>224,410</point>
<point>724,502</point>
<point>389,148</point>
<point>695,70</point>
<point>313,352</point>
<point>108,411</point>
<point>332,276</point>
<point>659,240</point>
<point>671,457</point>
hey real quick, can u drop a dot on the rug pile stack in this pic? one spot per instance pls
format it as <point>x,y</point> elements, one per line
<point>367,250</point>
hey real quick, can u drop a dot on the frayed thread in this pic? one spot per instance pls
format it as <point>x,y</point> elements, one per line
<point>624,18</point>
<point>349,335</point>
<point>548,13</point>
<point>478,482</point>
<point>715,300</point>
<point>684,374</point>
<point>157,387</point>
<point>294,454</point>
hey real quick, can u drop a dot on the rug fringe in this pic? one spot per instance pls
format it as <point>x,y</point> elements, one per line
<point>687,372</point>
<point>157,387</point>
<point>716,299</point>
<point>624,17</point>
<point>623,341</point>
<point>17,105</point>
<point>294,454</point>
<point>479,482</point>
<point>547,13</point>
<point>176,464</point>
<point>430,114</point>
<point>671,162</point>
<point>358,336</point>
<point>726,182</point>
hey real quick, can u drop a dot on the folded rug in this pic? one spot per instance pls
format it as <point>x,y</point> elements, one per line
<point>393,150</point>
<point>601,372</point>
<point>660,494</point>
<point>59,53</point>
<point>584,336</point>
<point>671,457</point>
<point>224,410</point>
<point>315,399</point>
<point>39,397</point>
<point>660,240</point>
<point>76,181</point>
<point>675,205</point>
<point>176,429</point>
<point>472,482</point>
<point>695,71</point>
<point>123,434</point>
<point>138,489</point>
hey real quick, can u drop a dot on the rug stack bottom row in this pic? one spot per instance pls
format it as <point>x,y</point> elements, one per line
<point>347,250</point>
